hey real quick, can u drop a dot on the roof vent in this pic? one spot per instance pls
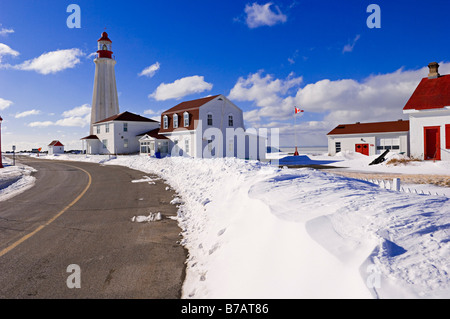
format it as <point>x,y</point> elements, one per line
<point>434,68</point>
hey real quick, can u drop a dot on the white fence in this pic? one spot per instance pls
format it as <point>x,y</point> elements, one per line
<point>395,185</point>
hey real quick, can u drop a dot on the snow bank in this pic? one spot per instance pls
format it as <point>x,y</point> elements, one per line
<point>256,231</point>
<point>14,180</point>
<point>359,162</point>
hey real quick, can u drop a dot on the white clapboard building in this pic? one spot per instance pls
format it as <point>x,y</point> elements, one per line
<point>210,127</point>
<point>429,116</point>
<point>370,138</point>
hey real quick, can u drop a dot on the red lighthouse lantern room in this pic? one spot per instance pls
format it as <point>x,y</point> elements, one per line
<point>105,47</point>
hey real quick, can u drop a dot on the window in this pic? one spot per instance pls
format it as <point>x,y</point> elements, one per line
<point>338,147</point>
<point>125,127</point>
<point>388,144</point>
<point>107,128</point>
<point>105,144</point>
<point>175,121</point>
<point>210,120</point>
<point>125,143</point>
<point>230,120</point>
<point>165,122</point>
<point>98,129</point>
<point>186,119</point>
<point>186,146</point>
<point>144,147</point>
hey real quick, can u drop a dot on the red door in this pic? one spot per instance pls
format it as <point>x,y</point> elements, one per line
<point>432,143</point>
<point>362,148</point>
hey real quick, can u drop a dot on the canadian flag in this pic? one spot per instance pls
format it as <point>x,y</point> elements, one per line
<point>297,110</point>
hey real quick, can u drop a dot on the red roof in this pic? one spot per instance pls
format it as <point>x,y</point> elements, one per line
<point>377,127</point>
<point>430,94</point>
<point>126,117</point>
<point>55,143</point>
<point>194,104</point>
<point>104,37</point>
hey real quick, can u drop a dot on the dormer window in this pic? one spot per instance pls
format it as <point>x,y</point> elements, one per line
<point>175,121</point>
<point>186,119</point>
<point>165,122</point>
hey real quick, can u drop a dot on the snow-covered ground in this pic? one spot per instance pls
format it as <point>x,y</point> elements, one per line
<point>258,231</point>
<point>14,179</point>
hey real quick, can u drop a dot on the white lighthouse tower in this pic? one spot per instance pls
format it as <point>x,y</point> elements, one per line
<point>105,102</point>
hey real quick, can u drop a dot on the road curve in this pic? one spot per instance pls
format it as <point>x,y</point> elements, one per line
<point>81,214</point>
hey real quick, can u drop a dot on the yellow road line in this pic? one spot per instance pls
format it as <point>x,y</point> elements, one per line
<point>24,238</point>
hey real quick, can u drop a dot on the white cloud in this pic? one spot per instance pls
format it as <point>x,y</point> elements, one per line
<point>151,70</point>
<point>27,113</point>
<point>262,15</point>
<point>74,121</point>
<point>149,112</point>
<point>268,93</point>
<point>6,50</point>
<point>155,115</point>
<point>92,55</point>
<point>77,117</point>
<point>4,31</point>
<point>349,47</point>
<point>82,110</point>
<point>41,124</point>
<point>180,88</point>
<point>52,62</point>
<point>378,97</point>
<point>4,104</point>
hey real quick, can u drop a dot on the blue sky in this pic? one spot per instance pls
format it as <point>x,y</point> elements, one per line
<point>266,56</point>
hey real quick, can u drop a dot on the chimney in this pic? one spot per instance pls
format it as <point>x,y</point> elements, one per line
<point>434,67</point>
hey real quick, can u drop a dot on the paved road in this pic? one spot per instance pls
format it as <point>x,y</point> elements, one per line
<point>80,213</point>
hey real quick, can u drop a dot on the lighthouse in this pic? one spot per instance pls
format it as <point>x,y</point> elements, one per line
<point>105,102</point>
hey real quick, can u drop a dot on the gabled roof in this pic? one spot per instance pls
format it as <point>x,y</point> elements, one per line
<point>189,105</point>
<point>127,117</point>
<point>55,143</point>
<point>90,137</point>
<point>430,94</point>
<point>377,127</point>
<point>155,134</point>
